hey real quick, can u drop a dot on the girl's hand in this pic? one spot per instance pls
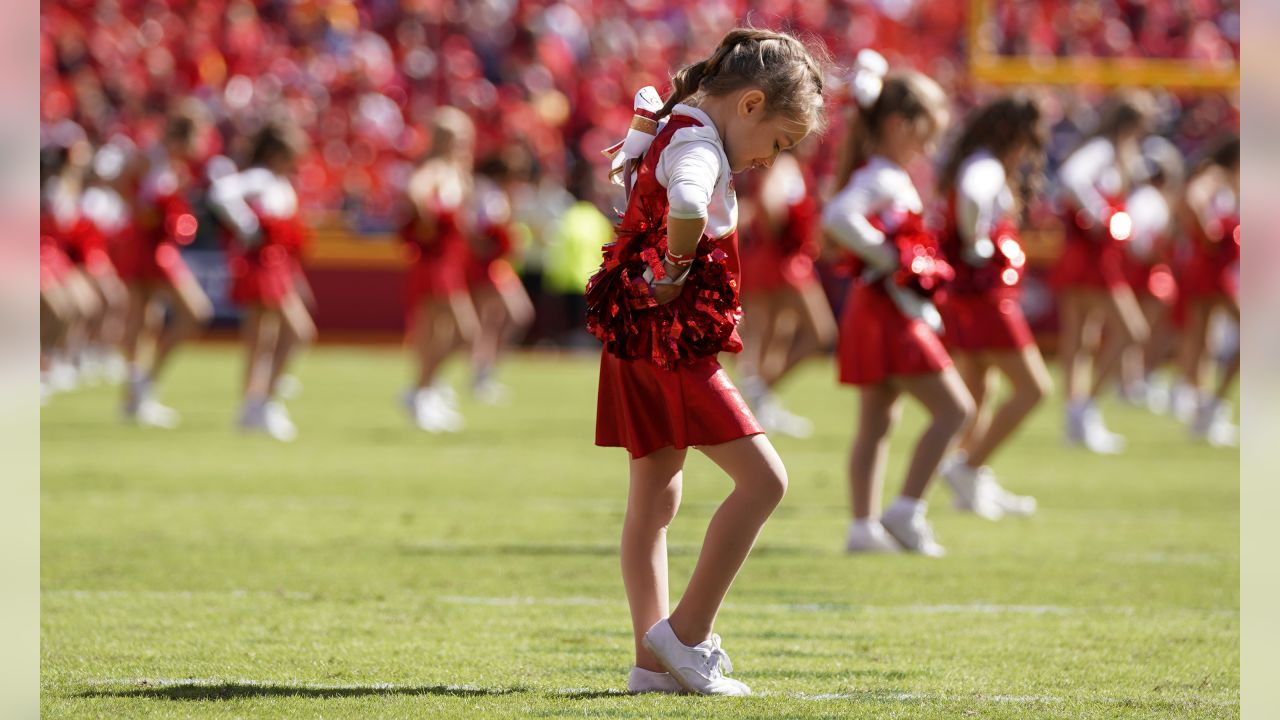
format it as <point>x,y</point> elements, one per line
<point>666,293</point>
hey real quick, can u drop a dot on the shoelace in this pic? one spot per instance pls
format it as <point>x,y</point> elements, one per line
<point>717,662</point>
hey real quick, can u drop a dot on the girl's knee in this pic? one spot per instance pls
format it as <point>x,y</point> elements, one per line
<point>769,484</point>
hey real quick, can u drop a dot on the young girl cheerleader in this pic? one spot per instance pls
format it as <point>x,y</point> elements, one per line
<point>109,220</point>
<point>1147,260</point>
<point>889,341</point>
<point>260,207</point>
<point>152,267</point>
<point>786,313</point>
<point>1089,276</point>
<point>665,303</point>
<point>985,327</point>
<point>72,302</point>
<point>1211,281</point>
<point>503,308</point>
<point>441,316</point>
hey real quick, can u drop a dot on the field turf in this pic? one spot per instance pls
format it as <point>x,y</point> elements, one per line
<point>369,570</point>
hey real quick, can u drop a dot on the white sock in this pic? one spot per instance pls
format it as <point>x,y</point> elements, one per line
<point>864,524</point>
<point>903,505</point>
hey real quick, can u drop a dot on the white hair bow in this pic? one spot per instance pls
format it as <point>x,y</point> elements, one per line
<point>869,70</point>
<point>644,127</point>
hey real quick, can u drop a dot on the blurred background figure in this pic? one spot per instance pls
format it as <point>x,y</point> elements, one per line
<point>442,317</point>
<point>260,207</point>
<point>786,316</point>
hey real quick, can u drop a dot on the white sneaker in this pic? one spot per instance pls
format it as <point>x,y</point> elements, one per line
<point>269,418</point>
<point>911,529</point>
<point>1085,427</point>
<point>700,669</point>
<point>63,376</point>
<point>775,418</point>
<point>431,412</point>
<point>1184,400</point>
<point>1213,425</point>
<point>971,491</point>
<point>869,536</point>
<point>1009,503</point>
<point>648,681</point>
<point>141,408</point>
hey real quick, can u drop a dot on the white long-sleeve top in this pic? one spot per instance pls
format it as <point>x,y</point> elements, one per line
<point>1149,210</point>
<point>1090,172</point>
<point>105,208</point>
<point>983,199</point>
<point>273,195</point>
<point>880,189</point>
<point>695,171</point>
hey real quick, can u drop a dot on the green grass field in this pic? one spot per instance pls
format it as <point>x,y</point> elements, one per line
<point>369,570</point>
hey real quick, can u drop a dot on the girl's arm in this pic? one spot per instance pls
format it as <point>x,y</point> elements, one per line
<point>228,198</point>
<point>844,219</point>
<point>692,172</point>
<point>977,207</point>
<point>1080,173</point>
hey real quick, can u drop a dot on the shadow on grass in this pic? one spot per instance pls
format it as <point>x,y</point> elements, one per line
<point>568,550</point>
<point>233,690</point>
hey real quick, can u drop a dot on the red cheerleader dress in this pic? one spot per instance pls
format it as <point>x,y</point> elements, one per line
<point>1093,254</point>
<point>438,255</point>
<point>774,260</point>
<point>878,341</point>
<point>487,264</point>
<point>150,255</point>
<point>660,382</point>
<point>54,263</point>
<point>263,275</point>
<point>1213,270</point>
<point>981,310</point>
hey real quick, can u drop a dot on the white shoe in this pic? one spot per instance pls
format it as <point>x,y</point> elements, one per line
<point>869,536</point>
<point>910,528</point>
<point>1009,503</point>
<point>141,408</point>
<point>971,491</point>
<point>431,412</point>
<point>1213,425</point>
<point>775,418</point>
<point>63,376</point>
<point>648,681</point>
<point>1184,400</point>
<point>700,669</point>
<point>269,418</point>
<point>1085,427</point>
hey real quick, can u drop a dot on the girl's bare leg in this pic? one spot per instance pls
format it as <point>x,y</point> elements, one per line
<point>192,310</point>
<point>975,371</point>
<point>1124,317</point>
<point>877,414</point>
<point>652,502</point>
<point>1029,384</point>
<point>759,482</point>
<point>1072,316</point>
<point>950,406</point>
<point>815,328</point>
<point>296,329</point>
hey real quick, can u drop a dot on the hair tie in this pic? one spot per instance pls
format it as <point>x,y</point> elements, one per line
<point>869,70</point>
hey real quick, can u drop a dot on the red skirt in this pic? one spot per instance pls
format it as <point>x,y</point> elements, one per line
<point>141,261</point>
<point>878,342</point>
<point>644,408</point>
<point>1205,278</point>
<point>1090,265</point>
<point>262,278</point>
<point>985,321</point>
<point>54,266</point>
<point>436,276</point>
<point>1151,279</point>
<point>493,273</point>
<point>766,269</point>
